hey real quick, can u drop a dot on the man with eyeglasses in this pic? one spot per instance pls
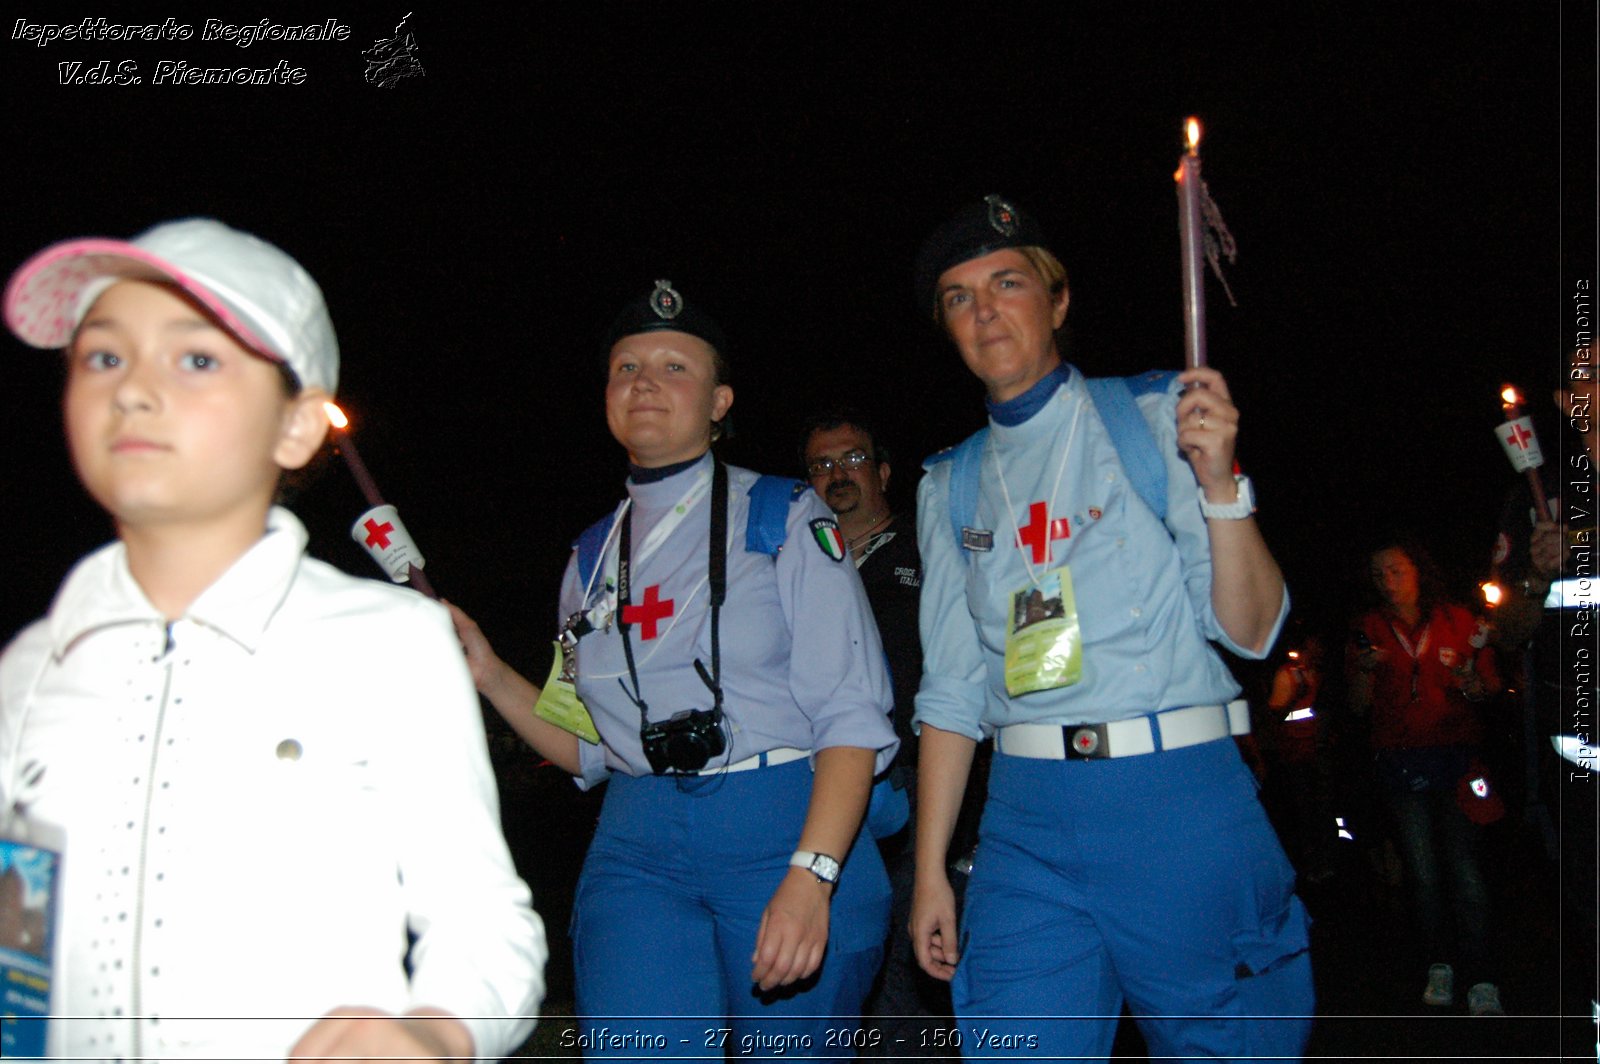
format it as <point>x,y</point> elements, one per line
<point>846,468</point>
<point>850,471</point>
<point>841,462</point>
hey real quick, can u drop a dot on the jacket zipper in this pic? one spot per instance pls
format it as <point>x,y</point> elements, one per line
<point>137,1002</point>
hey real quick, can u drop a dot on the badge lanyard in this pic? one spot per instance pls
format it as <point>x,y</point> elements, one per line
<point>1415,654</point>
<point>600,616</point>
<point>1055,487</point>
<point>872,546</point>
<point>717,570</point>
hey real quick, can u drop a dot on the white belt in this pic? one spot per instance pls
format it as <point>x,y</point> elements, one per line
<point>1174,728</point>
<point>781,756</point>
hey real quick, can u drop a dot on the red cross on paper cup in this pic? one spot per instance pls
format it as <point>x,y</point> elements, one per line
<point>386,539</point>
<point>1521,445</point>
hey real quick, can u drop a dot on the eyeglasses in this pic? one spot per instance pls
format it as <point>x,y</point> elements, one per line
<point>850,461</point>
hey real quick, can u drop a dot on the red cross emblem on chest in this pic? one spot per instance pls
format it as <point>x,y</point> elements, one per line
<point>1040,530</point>
<point>378,535</point>
<point>648,612</point>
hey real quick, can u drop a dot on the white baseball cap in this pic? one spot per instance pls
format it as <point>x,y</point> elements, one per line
<point>259,293</point>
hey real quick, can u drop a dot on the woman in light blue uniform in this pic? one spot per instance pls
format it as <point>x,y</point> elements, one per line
<point>1068,606</point>
<point>741,702</point>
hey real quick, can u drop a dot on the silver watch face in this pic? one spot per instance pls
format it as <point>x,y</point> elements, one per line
<point>825,868</point>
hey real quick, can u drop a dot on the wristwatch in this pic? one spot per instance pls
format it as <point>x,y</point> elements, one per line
<point>1240,508</point>
<point>822,866</point>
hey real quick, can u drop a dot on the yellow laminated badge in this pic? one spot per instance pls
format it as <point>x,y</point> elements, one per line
<point>1044,646</point>
<point>559,702</point>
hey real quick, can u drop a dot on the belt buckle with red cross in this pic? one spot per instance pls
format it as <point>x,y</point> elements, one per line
<point>1040,530</point>
<point>1085,742</point>
<point>649,612</point>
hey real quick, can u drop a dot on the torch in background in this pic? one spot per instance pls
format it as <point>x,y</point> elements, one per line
<point>1493,593</point>
<point>380,529</point>
<point>1521,445</point>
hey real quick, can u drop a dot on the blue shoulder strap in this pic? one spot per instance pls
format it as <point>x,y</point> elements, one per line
<point>589,545</point>
<point>965,472</point>
<point>1114,400</point>
<point>764,532</point>
<point>1130,432</point>
<point>770,498</point>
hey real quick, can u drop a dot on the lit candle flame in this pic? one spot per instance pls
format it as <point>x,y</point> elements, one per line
<point>1192,132</point>
<point>336,416</point>
<point>1491,593</point>
<point>1510,396</point>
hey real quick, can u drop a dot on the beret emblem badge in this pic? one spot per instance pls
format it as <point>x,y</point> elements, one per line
<point>665,301</point>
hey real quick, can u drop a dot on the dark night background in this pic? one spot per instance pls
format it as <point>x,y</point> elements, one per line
<point>1412,188</point>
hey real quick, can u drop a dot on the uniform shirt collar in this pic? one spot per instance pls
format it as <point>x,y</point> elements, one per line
<point>101,592</point>
<point>669,489</point>
<point>641,475</point>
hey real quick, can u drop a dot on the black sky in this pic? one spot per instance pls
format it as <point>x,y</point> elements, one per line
<point>1412,188</point>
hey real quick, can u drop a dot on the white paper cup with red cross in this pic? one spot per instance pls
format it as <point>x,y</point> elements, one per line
<point>381,531</point>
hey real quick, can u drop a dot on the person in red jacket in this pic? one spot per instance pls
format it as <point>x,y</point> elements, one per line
<point>1416,667</point>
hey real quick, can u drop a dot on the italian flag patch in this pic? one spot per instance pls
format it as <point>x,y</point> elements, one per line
<point>826,532</point>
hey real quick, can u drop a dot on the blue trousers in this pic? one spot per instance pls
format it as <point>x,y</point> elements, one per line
<point>667,912</point>
<point>1154,879</point>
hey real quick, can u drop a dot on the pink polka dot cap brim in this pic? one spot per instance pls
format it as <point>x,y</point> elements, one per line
<point>258,293</point>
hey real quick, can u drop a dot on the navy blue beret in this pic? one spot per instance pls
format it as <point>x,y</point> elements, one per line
<point>978,229</point>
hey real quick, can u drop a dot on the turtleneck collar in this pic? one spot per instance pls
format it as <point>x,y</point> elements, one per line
<point>641,475</point>
<point>669,485</point>
<point>1016,410</point>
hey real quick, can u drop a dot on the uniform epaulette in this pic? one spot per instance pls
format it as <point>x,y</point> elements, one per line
<point>1152,380</point>
<point>768,524</point>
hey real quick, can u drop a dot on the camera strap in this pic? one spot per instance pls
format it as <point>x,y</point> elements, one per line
<point>717,571</point>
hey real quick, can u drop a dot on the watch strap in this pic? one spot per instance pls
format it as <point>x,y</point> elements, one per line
<point>1239,509</point>
<point>822,866</point>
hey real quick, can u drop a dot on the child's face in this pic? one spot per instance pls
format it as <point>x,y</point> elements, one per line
<point>169,420</point>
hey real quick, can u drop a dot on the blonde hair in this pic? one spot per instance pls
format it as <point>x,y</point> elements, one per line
<point>1048,267</point>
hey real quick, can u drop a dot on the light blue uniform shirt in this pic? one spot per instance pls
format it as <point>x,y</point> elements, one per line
<point>802,665</point>
<point>1143,589</point>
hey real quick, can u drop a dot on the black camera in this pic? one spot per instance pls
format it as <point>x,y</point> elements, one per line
<point>684,742</point>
